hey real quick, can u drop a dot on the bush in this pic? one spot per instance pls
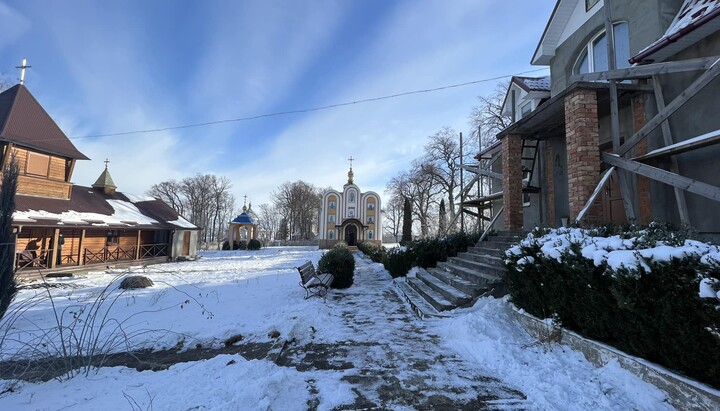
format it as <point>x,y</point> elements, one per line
<point>376,252</point>
<point>646,307</point>
<point>398,262</point>
<point>226,245</point>
<point>135,281</point>
<point>254,244</point>
<point>240,245</point>
<point>428,252</point>
<point>340,262</point>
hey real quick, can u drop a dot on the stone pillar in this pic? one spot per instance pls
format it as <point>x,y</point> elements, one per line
<point>512,182</point>
<point>550,183</point>
<point>644,213</point>
<point>583,152</point>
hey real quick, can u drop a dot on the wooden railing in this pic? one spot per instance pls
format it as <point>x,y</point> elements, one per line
<point>32,259</point>
<point>106,254</point>
<point>153,250</point>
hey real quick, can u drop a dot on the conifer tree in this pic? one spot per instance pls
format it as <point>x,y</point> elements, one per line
<point>407,222</point>
<point>8,286</point>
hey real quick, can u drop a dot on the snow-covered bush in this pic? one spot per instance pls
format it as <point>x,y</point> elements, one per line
<point>650,292</point>
<point>376,252</point>
<point>428,252</point>
<point>398,262</point>
<point>340,262</point>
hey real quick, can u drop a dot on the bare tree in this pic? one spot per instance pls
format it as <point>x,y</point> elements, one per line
<point>5,83</point>
<point>392,215</point>
<point>299,204</point>
<point>8,285</point>
<point>486,117</point>
<point>442,161</point>
<point>169,192</point>
<point>420,187</point>
<point>269,220</point>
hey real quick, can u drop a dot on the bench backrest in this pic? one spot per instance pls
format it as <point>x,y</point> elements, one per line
<point>307,271</point>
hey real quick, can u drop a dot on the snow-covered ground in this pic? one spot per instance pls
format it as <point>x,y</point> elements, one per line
<point>256,294</point>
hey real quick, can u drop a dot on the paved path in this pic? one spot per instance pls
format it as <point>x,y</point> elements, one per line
<point>393,361</point>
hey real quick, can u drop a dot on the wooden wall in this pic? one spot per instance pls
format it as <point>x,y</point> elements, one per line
<point>54,184</point>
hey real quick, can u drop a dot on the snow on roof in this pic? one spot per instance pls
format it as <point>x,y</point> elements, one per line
<point>136,198</point>
<point>695,20</point>
<point>125,212</point>
<point>181,222</point>
<point>534,83</point>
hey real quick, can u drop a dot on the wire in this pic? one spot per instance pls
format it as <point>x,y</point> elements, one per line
<point>305,110</point>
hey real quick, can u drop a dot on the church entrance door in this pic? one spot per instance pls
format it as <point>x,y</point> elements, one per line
<point>351,235</point>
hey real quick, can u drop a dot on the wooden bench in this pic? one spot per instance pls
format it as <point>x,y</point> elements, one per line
<point>312,282</point>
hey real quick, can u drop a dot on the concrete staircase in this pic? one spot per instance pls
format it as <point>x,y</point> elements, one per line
<point>459,281</point>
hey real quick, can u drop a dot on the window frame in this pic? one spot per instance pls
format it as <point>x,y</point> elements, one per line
<point>587,50</point>
<point>32,167</point>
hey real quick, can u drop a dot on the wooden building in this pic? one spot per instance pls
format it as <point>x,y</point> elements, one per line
<point>59,223</point>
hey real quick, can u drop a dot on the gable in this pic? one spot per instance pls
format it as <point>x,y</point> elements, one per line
<point>24,122</point>
<point>566,18</point>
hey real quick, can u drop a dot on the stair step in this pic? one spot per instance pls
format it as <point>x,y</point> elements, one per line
<point>431,296</point>
<point>477,277</point>
<point>419,305</point>
<point>483,258</point>
<point>494,252</point>
<point>466,286</point>
<point>478,265</point>
<point>454,295</point>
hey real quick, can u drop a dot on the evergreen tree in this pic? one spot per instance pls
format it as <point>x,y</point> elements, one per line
<point>407,222</point>
<point>283,231</point>
<point>8,287</point>
<point>442,224</point>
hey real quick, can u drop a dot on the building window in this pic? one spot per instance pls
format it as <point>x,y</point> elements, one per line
<point>331,234</point>
<point>113,238</point>
<point>370,235</point>
<point>38,164</point>
<point>371,206</point>
<point>370,220</point>
<point>525,109</point>
<point>351,213</point>
<point>594,56</point>
<point>331,218</point>
<point>590,4</point>
<point>331,204</point>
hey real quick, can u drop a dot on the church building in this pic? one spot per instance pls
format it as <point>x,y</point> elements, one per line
<point>350,216</point>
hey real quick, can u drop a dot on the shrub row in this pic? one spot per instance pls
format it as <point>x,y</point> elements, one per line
<point>376,252</point>
<point>652,310</point>
<point>253,244</point>
<point>427,252</point>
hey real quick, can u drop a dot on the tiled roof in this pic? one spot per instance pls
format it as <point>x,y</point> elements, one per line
<point>695,20</point>
<point>533,83</point>
<point>243,218</point>
<point>23,121</point>
<point>90,207</point>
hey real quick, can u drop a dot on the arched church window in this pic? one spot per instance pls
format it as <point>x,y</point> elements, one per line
<point>331,234</point>
<point>370,235</point>
<point>594,57</point>
<point>351,197</point>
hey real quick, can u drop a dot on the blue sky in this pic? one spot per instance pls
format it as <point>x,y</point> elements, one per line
<point>102,67</point>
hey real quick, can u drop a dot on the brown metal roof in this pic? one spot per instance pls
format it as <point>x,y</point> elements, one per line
<point>90,200</point>
<point>23,121</point>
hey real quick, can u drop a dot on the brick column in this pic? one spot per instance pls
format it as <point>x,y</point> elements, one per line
<point>512,182</point>
<point>643,183</point>
<point>583,152</point>
<point>550,183</point>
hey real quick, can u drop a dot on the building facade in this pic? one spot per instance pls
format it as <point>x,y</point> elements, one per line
<point>350,215</point>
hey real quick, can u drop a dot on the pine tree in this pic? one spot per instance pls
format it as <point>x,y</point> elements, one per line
<point>8,287</point>
<point>442,224</point>
<point>407,222</point>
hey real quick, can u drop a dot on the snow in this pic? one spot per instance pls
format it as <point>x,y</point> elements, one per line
<point>136,198</point>
<point>254,293</point>
<point>124,212</point>
<point>181,222</point>
<point>691,11</point>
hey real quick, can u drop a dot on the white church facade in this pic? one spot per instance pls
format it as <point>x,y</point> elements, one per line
<point>350,216</point>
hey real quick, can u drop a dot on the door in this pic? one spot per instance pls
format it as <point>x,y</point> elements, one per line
<point>613,208</point>
<point>351,235</point>
<point>186,243</point>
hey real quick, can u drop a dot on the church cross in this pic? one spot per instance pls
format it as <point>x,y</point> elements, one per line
<point>106,163</point>
<point>22,70</point>
<point>351,161</point>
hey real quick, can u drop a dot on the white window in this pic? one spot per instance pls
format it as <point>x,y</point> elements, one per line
<point>370,220</point>
<point>525,109</point>
<point>331,204</point>
<point>331,218</point>
<point>594,56</point>
<point>370,235</point>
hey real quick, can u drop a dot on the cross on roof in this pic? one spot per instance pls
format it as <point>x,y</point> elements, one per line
<point>351,161</point>
<point>106,163</point>
<point>22,70</point>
